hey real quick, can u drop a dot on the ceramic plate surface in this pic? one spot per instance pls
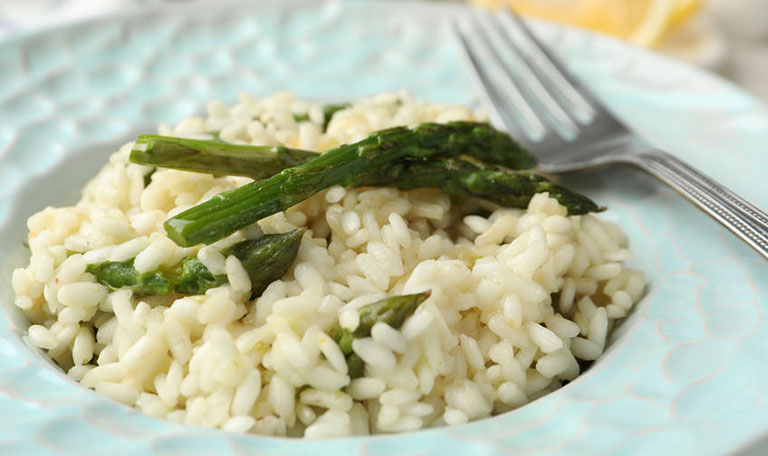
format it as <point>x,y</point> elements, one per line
<point>686,373</point>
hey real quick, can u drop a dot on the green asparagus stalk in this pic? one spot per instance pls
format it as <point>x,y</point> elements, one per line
<point>122,274</point>
<point>328,112</point>
<point>467,177</point>
<point>355,365</point>
<point>347,165</point>
<point>148,177</point>
<point>393,311</point>
<point>265,259</point>
<point>259,162</point>
<point>216,157</point>
<point>192,277</point>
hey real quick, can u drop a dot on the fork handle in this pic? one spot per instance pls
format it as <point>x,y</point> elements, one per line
<point>742,218</point>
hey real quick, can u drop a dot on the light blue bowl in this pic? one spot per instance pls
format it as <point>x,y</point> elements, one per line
<point>685,374</point>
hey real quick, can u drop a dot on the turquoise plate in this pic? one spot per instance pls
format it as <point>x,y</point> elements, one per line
<point>685,374</point>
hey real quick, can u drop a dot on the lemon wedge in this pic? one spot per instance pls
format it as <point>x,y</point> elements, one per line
<point>643,22</point>
<point>683,10</point>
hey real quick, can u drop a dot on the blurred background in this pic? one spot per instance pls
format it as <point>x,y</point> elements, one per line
<point>729,37</point>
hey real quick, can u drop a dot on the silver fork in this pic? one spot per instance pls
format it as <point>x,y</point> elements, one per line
<point>533,95</point>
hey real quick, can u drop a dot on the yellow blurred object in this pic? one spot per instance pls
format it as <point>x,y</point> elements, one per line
<point>643,22</point>
<point>683,10</point>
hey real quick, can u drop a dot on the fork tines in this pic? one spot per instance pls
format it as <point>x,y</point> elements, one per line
<point>530,91</point>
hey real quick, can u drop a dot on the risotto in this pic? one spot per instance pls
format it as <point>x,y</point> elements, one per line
<point>518,298</point>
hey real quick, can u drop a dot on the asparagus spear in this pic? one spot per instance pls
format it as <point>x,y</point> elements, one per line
<point>328,112</point>
<point>265,259</point>
<point>123,275</point>
<point>216,157</point>
<point>466,177</point>
<point>192,277</point>
<point>355,365</point>
<point>393,311</point>
<point>259,162</point>
<point>148,177</point>
<point>347,165</point>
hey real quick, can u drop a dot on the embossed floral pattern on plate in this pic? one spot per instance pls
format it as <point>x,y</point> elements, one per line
<point>684,373</point>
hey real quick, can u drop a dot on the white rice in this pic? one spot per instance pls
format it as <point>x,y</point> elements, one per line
<point>518,296</point>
